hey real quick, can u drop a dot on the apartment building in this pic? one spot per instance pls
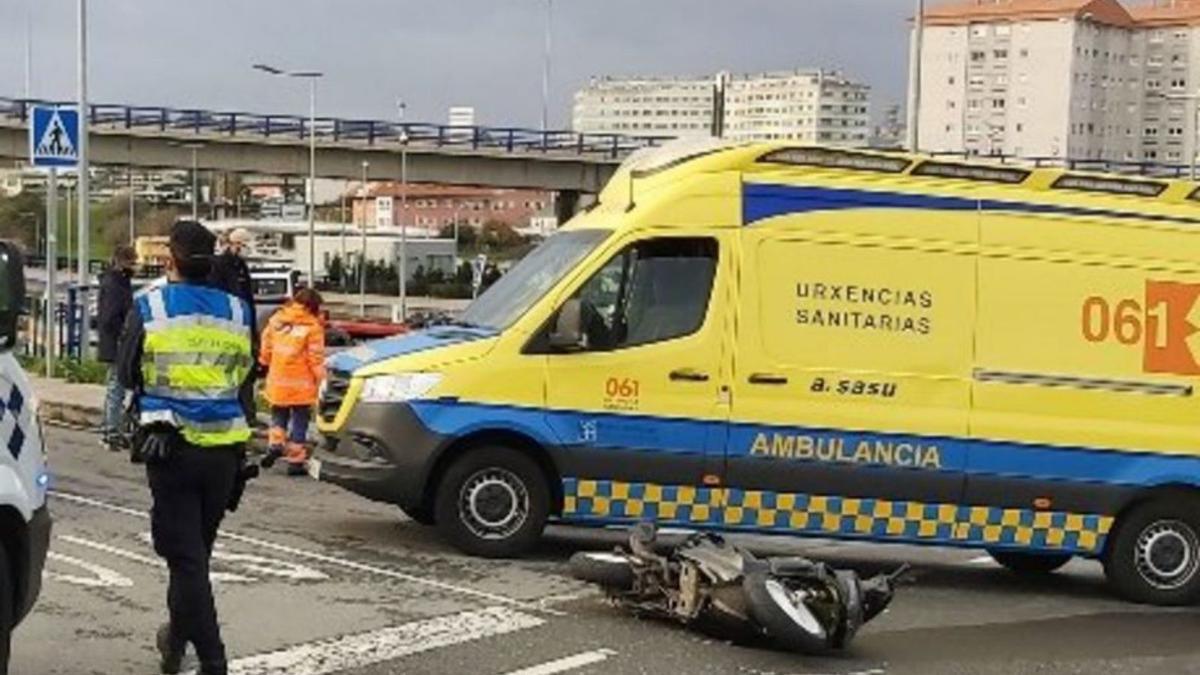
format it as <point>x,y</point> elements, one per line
<point>1084,79</point>
<point>814,106</point>
<point>431,207</point>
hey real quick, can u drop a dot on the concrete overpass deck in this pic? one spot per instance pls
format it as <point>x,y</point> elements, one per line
<point>239,142</point>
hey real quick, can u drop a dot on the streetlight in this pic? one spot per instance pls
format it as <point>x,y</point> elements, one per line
<point>1194,99</point>
<point>914,79</point>
<point>362,258</point>
<point>82,186</point>
<point>312,76</point>
<point>194,147</point>
<point>546,65</point>
<point>403,269</point>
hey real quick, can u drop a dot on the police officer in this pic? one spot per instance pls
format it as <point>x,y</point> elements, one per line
<point>185,352</point>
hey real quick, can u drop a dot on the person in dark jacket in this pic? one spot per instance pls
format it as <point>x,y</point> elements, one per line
<point>116,298</point>
<point>231,274</point>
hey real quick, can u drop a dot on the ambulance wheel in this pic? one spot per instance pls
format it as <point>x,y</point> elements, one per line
<point>1030,564</point>
<point>1153,555</point>
<point>492,502</point>
<point>7,609</point>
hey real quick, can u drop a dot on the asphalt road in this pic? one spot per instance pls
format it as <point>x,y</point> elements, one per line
<point>314,580</point>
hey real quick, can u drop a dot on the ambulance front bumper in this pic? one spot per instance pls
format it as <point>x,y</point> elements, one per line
<point>382,452</point>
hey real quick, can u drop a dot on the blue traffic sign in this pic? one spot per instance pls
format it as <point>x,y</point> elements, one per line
<point>54,137</point>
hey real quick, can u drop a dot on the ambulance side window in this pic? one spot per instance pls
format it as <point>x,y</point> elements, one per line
<point>654,290</point>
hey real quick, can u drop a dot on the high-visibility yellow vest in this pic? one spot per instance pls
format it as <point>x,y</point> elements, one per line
<point>196,354</point>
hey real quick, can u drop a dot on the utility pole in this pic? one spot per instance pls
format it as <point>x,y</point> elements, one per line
<point>914,78</point>
<point>82,192</point>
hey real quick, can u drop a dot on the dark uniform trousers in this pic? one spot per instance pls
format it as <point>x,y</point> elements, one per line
<point>191,490</point>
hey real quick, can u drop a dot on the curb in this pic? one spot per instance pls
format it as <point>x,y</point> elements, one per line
<point>72,415</point>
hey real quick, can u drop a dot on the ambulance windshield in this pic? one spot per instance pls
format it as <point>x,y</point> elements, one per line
<point>510,297</point>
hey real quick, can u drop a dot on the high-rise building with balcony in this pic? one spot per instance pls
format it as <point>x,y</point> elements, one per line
<point>1080,79</point>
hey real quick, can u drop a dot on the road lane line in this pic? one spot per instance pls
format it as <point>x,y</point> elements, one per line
<point>102,577</point>
<point>491,598</point>
<point>565,664</point>
<point>387,644</point>
<point>146,560</point>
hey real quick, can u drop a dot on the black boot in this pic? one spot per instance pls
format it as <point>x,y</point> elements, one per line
<point>170,650</point>
<point>272,456</point>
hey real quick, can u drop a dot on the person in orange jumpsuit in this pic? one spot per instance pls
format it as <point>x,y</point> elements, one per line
<point>293,352</point>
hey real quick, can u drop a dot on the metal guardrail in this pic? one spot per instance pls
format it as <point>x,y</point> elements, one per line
<point>193,122</point>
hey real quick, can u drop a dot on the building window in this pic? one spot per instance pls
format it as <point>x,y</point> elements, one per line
<point>1003,30</point>
<point>1024,53</point>
<point>1000,53</point>
<point>979,31</point>
<point>977,56</point>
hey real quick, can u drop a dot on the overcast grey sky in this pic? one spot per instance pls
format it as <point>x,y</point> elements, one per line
<point>435,53</point>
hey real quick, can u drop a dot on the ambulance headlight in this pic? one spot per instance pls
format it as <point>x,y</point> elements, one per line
<point>396,388</point>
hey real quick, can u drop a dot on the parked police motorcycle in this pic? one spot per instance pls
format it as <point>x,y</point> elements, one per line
<point>799,604</point>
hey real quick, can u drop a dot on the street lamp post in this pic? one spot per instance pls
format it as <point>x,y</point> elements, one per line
<point>132,227</point>
<point>914,78</point>
<point>311,198</point>
<point>362,258</point>
<point>195,148</point>
<point>403,269</point>
<point>82,190</point>
<point>546,65</point>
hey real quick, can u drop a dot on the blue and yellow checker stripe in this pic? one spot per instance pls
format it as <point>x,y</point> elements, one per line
<point>880,519</point>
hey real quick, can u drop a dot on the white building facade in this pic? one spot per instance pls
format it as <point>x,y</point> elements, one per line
<point>804,105</point>
<point>1078,79</point>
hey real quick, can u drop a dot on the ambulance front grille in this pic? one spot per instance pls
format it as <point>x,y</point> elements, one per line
<point>337,383</point>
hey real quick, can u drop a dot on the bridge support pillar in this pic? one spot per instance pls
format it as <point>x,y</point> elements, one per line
<point>566,205</point>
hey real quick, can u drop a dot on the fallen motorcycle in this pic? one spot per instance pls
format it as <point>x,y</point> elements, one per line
<point>722,589</point>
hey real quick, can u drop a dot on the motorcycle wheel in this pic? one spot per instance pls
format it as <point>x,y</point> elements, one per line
<point>610,570</point>
<point>784,618</point>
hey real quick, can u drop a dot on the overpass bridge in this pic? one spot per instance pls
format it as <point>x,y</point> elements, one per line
<point>154,137</point>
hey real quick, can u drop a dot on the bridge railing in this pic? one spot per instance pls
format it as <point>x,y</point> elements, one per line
<point>208,123</point>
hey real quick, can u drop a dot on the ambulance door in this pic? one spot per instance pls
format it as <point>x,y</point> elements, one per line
<point>852,376</point>
<point>640,400</point>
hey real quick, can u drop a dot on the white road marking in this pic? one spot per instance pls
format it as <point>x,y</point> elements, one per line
<point>387,644</point>
<point>102,577</point>
<point>273,567</point>
<point>334,561</point>
<point>224,577</point>
<point>567,663</point>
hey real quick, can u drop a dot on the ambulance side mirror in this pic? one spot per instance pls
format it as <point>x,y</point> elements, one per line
<point>12,292</point>
<point>567,335</point>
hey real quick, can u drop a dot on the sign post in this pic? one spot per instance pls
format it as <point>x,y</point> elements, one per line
<point>53,144</point>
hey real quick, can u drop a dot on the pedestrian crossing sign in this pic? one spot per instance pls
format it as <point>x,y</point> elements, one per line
<point>54,137</point>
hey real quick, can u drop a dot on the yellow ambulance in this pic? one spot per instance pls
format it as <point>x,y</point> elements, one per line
<point>823,342</point>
